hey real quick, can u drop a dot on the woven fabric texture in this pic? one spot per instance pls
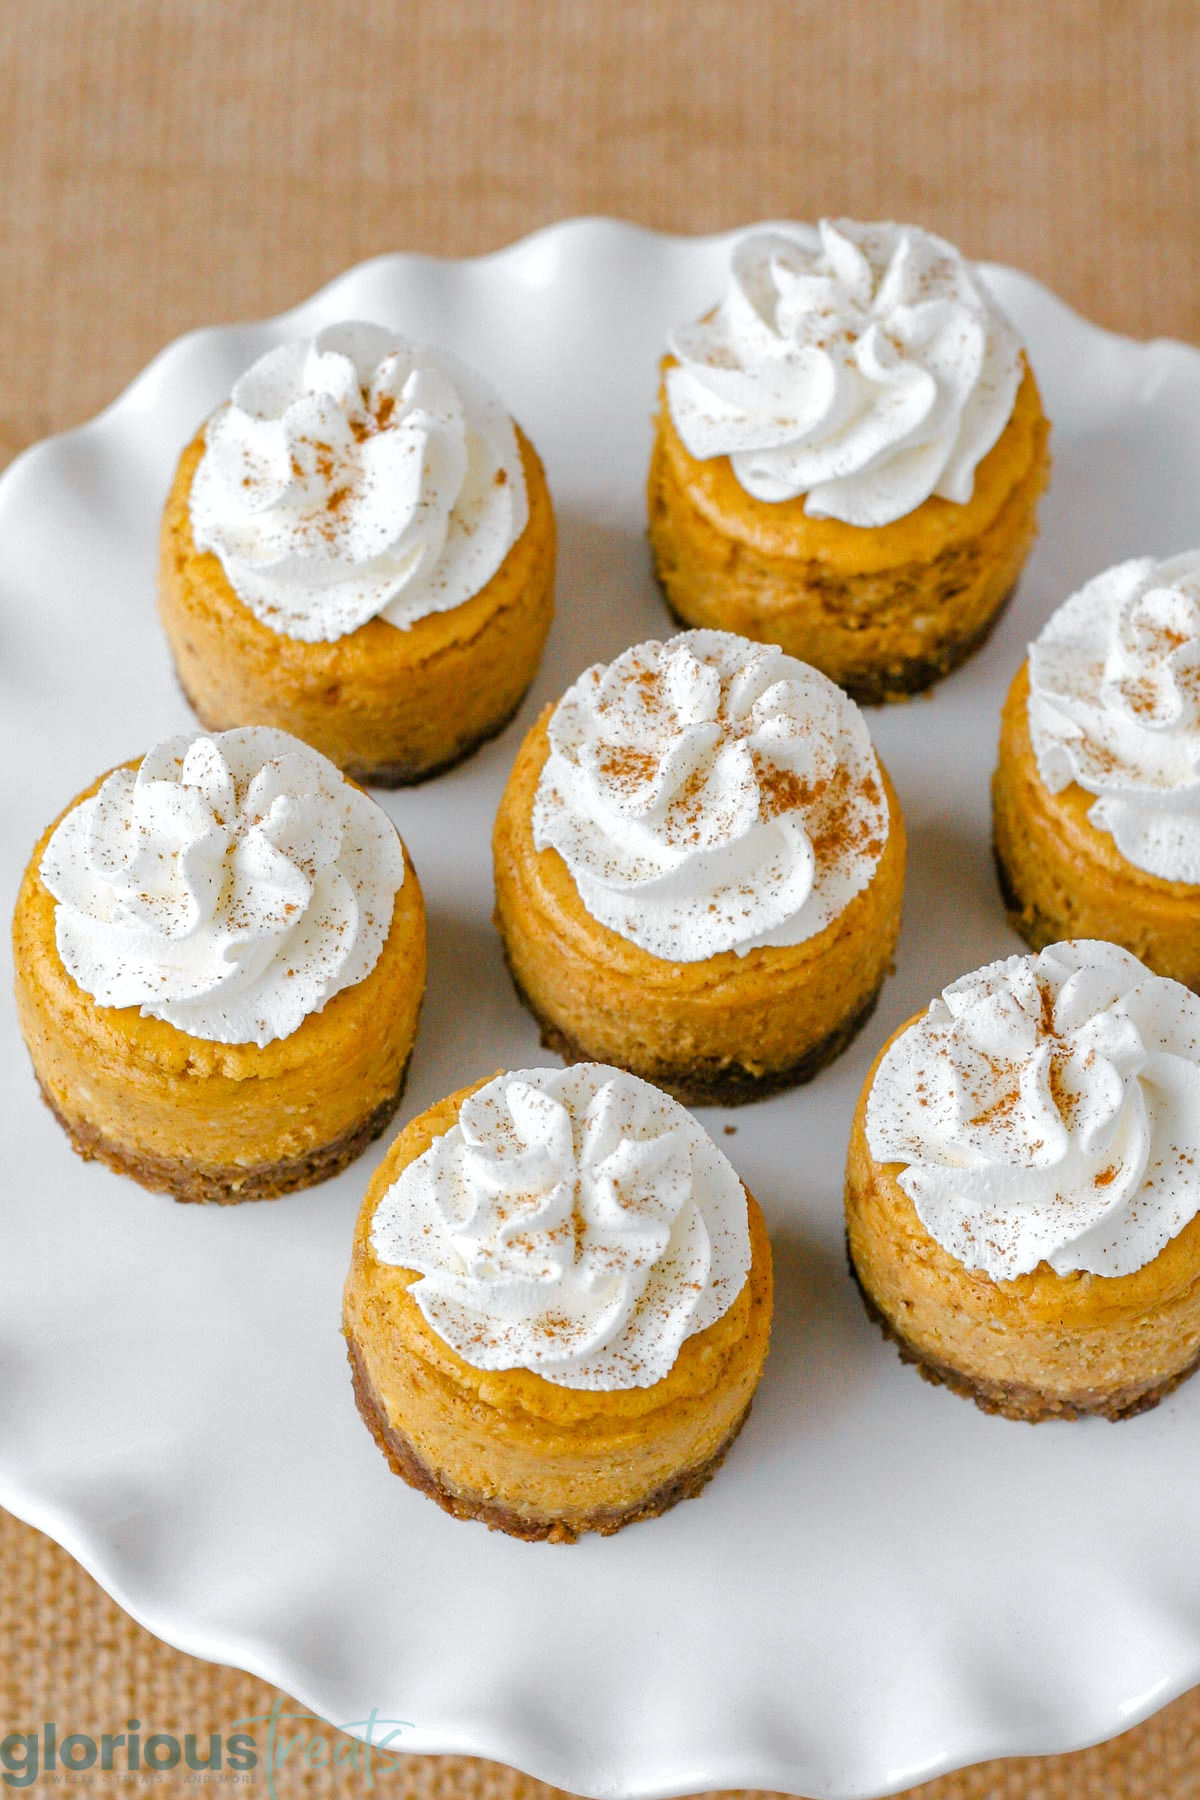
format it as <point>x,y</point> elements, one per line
<point>170,163</point>
<point>69,1655</point>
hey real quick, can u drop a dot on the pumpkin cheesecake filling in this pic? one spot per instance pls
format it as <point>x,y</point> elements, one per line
<point>1021,1192</point>
<point>1096,794</point>
<point>310,580</point>
<point>581,1337</point>
<point>699,868</point>
<point>220,961</point>
<point>795,500</point>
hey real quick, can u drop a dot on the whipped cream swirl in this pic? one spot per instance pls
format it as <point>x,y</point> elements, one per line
<point>711,794</point>
<point>576,1222</point>
<point>230,885</point>
<point>1114,705</point>
<point>355,475</point>
<point>863,366</point>
<point>1047,1109</point>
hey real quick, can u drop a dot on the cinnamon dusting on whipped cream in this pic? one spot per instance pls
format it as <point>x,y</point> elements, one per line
<point>575,1222</point>
<point>231,885</point>
<point>1047,1109</point>
<point>864,367</point>
<point>355,476</point>
<point>1114,706</point>
<point>711,794</point>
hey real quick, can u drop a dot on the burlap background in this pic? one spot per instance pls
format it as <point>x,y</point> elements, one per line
<point>170,163</point>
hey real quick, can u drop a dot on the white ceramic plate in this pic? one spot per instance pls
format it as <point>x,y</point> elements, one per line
<point>882,1583</point>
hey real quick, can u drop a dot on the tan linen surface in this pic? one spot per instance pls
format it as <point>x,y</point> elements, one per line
<point>169,165</point>
<point>68,1654</point>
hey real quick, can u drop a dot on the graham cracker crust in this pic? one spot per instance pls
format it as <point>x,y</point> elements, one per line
<point>902,681</point>
<point>1027,921</point>
<point>401,773</point>
<point>404,1461</point>
<point>406,774</point>
<point>1013,1400</point>
<point>718,1084</point>
<point>227,1186</point>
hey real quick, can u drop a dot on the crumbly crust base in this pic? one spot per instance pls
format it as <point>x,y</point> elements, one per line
<point>404,1461</point>
<point>901,680</point>
<point>1028,921</point>
<point>1013,1400</point>
<point>720,1085</point>
<point>395,774</point>
<point>186,1181</point>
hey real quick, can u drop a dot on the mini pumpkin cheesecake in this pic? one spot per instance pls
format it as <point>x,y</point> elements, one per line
<point>1096,795</point>
<point>699,868</point>
<point>849,454</point>
<point>359,549</point>
<point>559,1303</point>
<point>1022,1201</point>
<point>220,960</point>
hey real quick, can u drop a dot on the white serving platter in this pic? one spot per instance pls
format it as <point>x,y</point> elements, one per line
<point>882,1583</point>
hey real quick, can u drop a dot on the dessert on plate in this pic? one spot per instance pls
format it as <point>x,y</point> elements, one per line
<point>699,868</point>
<point>559,1303</point>
<point>1022,1192</point>
<point>849,453</point>
<point>358,548</point>
<point>1096,796</point>
<point>220,959</point>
